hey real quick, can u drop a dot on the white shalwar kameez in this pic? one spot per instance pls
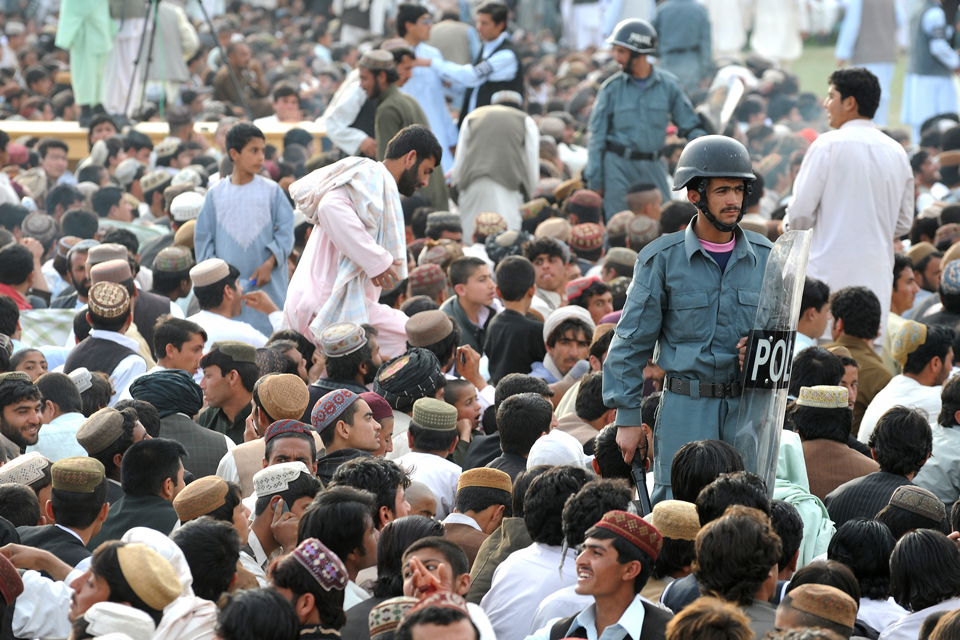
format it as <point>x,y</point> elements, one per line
<point>777,27</point>
<point>426,87</point>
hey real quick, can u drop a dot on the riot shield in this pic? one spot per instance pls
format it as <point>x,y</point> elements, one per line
<point>769,357</point>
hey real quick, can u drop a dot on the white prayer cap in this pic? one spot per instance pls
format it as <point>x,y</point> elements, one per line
<point>168,549</point>
<point>187,175</point>
<point>186,206</point>
<point>565,313</point>
<point>106,618</point>
<point>557,448</point>
<point>81,377</point>
<point>127,171</point>
<point>277,478</point>
<point>507,96</point>
<point>25,469</point>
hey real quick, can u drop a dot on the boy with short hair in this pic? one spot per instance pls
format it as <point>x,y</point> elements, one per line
<point>514,341</point>
<point>592,294</point>
<point>432,437</point>
<point>471,308</point>
<point>463,396</point>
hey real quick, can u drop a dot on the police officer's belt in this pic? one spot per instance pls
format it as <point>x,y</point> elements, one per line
<point>707,389</point>
<point>628,153</point>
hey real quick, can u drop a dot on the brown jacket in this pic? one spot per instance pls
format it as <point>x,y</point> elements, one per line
<point>467,537</point>
<point>831,463</point>
<point>872,378</point>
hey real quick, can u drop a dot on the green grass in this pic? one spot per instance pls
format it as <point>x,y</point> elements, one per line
<point>817,63</point>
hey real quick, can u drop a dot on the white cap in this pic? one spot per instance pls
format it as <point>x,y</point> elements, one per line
<point>25,469</point>
<point>186,206</point>
<point>277,478</point>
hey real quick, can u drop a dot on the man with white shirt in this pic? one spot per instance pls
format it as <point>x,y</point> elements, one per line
<point>7,194</point>
<point>62,417</point>
<point>853,228</point>
<point>216,286</point>
<point>432,437</point>
<point>926,355</point>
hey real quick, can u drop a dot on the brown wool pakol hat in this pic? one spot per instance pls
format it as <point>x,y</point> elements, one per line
<point>184,235</point>
<point>428,327</point>
<point>283,396</point>
<point>108,300</point>
<point>486,478</point>
<point>79,475</point>
<point>100,430</point>
<point>149,575</point>
<point>105,252</point>
<point>434,415</point>
<point>200,497</point>
<point>209,272</point>
<point>377,60</point>
<point>825,602</point>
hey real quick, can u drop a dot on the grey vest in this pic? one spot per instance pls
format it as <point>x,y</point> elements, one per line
<point>877,40</point>
<point>922,62</point>
<point>503,161</point>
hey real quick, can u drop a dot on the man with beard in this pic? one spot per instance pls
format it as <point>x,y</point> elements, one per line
<point>357,248</point>
<point>79,278</point>
<point>21,413</point>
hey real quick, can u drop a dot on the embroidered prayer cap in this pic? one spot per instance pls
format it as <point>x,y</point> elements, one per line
<point>108,300</point>
<point>14,376</point>
<point>618,224</point>
<point>105,252</point>
<point>434,415</point>
<point>79,475</point>
<point>545,188</point>
<point>324,565</point>
<point>65,244</point>
<point>443,600</point>
<point>675,519</point>
<point>486,478</point>
<point>489,223</point>
<point>641,231</point>
<point>407,378</point>
<point>634,530</point>
<point>154,180</point>
<point>530,210</point>
<point>386,616</point>
<point>426,275</point>
<point>435,254</point>
<point>184,235</point>
<point>823,397</point>
<point>117,271</point>
<point>575,288</point>
<point>127,170</point>
<point>170,193</point>
<point>330,407</point>
<point>173,259</point>
<point>342,339</point>
<point>394,43</point>
<point>380,407</point>
<point>622,256</point>
<point>11,584</point>
<point>283,396</point>
<point>106,618</point>
<point>586,237</point>
<point>443,219</point>
<point>208,272</point>
<point>200,497</point>
<point>910,337</point>
<point>40,226</point>
<point>825,602</point>
<point>950,279</point>
<point>149,575</point>
<point>565,188</point>
<point>920,251</point>
<point>167,147</point>
<point>377,60</point>
<point>428,327</point>
<point>83,246</point>
<point>506,243</point>
<point>25,469</point>
<point>281,427</point>
<point>584,200</point>
<point>188,176</point>
<point>277,478</point>
<point>947,233</point>
<point>100,430</point>
<point>269,361</point>
<point>556,228</point>
<point>239,351</point>
<point>565,313</point>
<point>81,377</point>
<point>919,501</point>
<point>186,206</point>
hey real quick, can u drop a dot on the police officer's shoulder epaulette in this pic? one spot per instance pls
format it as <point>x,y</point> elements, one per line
<point>658,245</point>
<point>617,77</point>
<point>757,239</point>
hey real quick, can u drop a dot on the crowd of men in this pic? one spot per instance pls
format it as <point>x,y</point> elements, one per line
<point>400,326</point>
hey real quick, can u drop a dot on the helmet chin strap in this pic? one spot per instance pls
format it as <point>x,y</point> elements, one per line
<point>701,204</point>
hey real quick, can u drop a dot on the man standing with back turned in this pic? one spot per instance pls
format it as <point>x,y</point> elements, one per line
<point>695,294</point>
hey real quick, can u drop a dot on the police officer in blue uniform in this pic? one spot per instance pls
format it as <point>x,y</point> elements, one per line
<point>693,299</point>
<point>630,117</point>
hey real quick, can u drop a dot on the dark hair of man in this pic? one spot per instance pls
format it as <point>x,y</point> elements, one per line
<point>145,412</point>
<point>450,551</point>
<point>327,436</point>
<point>434,616</point>
<point>12,215</point>
<point>814,423</point>
<point>697,464</point>
<point>408,12</point>
<point>786,522</point>
<point>285,91</point>
<point>515,276</point>
<point>305,486</point>
<point>19,505</point>
<point>924,227</point>
<point>304,437</point>
<point>734,554</point>
<point>9,316</point>
<point>520,485</point>
<point>108,324</point>
<point>105,564</point>
<point>900,521</point>
<point>51,143</point>
<point>626,552</point>
<point>921,266</point>
<point>148,464</point>
<point>104,199</point>
<point>563,330</point>
<point>859,309</point>
<point>381,477</point>
<point>338,517</point>
<point>544,246</point>
<point>609,458</point>
<point>289,573</point>
<point>211,296</point>
<point>586,507</point>
<point>950,403</point>
<point>16,264</point>
<point>304,346</point>
<point>59,389</point>
<point>675,215</point>
<point>462,268</point>
<point>516,383</point>
<point>240,135</point>
<point>477,499</point>
<point>123,237</point>
<point>347,367</point>
<point>864,546</point>
<point>78,510</point>
<point>431,439</point>
<point>398,56</point>
<point>258,614</point>
<point>98,395</point>
<point>176,331</point>
<point>938,344</point>
<point>740,488</point>
<point>924,570</point>
<point>815,366</point>
<point>417,138</point>
<point>828,573</point>
<point>497,11</point>
<point>544,501</point>
<point>212,549</point>
<point>862,85</point>
<point>521,420</point>
<point>80,223</point>
<point>247,371</point>
<point>600,346</point>
<point>901,441</point>
<point>649,407</point>
<point>16,391</point>
<point>589,405</point>
<point>815,295</point>
<point>595,289</point>
<point>395,537</point>
<point>900,262</point>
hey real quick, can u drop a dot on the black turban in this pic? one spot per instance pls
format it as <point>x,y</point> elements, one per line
<point>404,380</point>
<point>170,391</point>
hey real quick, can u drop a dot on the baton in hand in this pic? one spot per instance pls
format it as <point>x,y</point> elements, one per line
<point>639,472</point>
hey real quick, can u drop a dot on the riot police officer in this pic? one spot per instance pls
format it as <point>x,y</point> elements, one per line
<point>630,117</point>
<point>694,296</point>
